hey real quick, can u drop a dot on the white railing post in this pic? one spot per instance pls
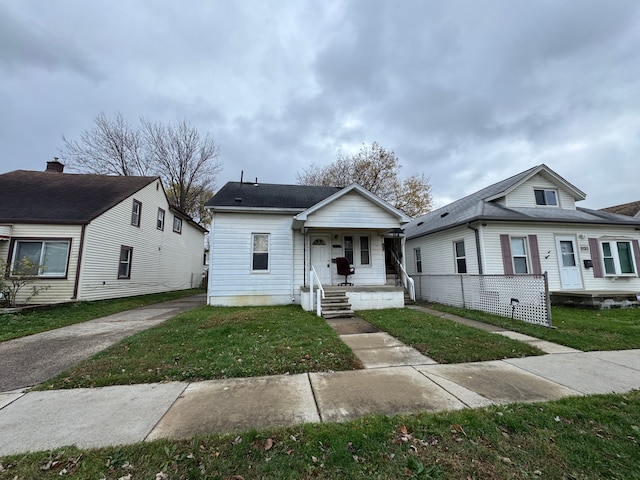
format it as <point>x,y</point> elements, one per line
<point>311,299</point>
<point>319,293</point>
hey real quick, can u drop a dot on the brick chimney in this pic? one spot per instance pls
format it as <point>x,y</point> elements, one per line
<point>55,166</point>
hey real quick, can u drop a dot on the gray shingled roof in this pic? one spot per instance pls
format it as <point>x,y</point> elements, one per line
<point>631,209</point>
<point>268,195</point>
<point>476,207</point>
<point>52,197</point>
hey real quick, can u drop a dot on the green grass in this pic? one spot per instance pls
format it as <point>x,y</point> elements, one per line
<point>217,342</point>
<point>443,340</point>
<point>587,330</point>
<point>594,437</point>
<point>48,318</point>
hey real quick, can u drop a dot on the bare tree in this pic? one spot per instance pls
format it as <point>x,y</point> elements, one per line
<point>111,147</point>
<point>377,170</point>
<point>186,161</point>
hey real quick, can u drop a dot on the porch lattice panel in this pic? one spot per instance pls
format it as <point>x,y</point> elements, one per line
<point>489,293</point>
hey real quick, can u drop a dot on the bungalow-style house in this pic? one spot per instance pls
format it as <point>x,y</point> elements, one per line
<point>529,223</point>
<point>91,237</point>
<point>269,242</point>
<point>631,209</point>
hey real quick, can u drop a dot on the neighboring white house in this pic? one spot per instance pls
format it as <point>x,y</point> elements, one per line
<point>97,236</point>
<point>529,223</point>
<point>266,239</point>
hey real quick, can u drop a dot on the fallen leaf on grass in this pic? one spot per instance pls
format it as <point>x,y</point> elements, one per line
<point>458,429</point>
<point>268,444</point>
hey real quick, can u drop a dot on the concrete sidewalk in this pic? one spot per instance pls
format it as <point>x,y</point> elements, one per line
<point>127,414</point>
<point>396,379</point>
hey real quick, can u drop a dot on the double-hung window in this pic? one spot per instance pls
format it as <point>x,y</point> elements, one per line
<point>519,255</point>
<point>348,248</point>
<point>41,258</point>
<point>461,257</point>
<point>136,210</point>
<point>177,224</point>
<point>260,252</point>
<point>546,197</point>
<point>160,221</point>
<point>617,256</point>
<point>417,254</point>
<point>124,267</point>
<point>365,254</point>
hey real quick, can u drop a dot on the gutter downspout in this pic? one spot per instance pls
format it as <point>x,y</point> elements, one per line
<point>478,253</point>
<point>80,249</point>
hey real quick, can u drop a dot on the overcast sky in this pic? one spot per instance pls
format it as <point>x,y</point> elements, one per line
<point>466,92</point>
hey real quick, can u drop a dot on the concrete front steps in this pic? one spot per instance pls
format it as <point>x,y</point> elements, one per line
<point>335,304</point>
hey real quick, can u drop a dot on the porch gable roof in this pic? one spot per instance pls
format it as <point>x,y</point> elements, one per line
<point>300,219</point>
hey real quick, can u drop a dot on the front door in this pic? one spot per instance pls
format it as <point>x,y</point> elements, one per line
<point>568,263</point>
<point>321,258</point>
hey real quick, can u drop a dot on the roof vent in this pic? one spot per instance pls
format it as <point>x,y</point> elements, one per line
<point>238,199</point>
<point>55,166</point>
<point>444,214</point>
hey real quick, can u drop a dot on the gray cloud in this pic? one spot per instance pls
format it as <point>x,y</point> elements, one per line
<point>465,92</point>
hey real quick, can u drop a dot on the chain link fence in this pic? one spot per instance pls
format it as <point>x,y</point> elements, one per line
<point>525,297</point>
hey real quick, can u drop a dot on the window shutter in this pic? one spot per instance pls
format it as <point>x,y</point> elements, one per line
<point>636,253</point>
<point>595,258</point>
<point>506,254</point>
<point>535,255</point>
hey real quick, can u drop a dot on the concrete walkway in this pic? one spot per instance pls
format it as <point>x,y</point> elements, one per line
<point>411,383</point>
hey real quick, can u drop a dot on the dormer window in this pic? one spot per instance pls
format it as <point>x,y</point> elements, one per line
<point>547,198</point>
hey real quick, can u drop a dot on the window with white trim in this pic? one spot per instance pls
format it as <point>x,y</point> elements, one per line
<point>160,221</point>
<point>124,267</point>
<point>461,257</point>
<point>365,252</point>
<point>545,197</point>
<point>417,255</point>
<point>177,224</point>
<point>260,252</point>
<point>348,248</point>
<point>617,256</point>
<point>136,210</point>
<point>41,258</point>
<point>519,255</point>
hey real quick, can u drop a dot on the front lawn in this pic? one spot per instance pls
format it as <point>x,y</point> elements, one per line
<point>43,319</point>
<point>217,342</point>
<point>443,340</point>
<point>594,437</point>
<point>584,329</point>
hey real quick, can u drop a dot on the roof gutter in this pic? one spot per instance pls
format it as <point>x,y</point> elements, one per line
<point>478,253</point>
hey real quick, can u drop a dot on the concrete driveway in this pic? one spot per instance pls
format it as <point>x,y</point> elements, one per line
<point>31,360</point>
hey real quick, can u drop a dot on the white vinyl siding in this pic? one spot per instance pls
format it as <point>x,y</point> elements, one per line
<point>162,260</point>
<point>438,252</point>
<point>524,195</point>
<point>231,281</point>
<point>352,210</point>
<point>546,237</point>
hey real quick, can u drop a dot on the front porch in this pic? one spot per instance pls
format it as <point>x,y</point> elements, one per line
<point>596,299</point>
<point>365,297</point>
